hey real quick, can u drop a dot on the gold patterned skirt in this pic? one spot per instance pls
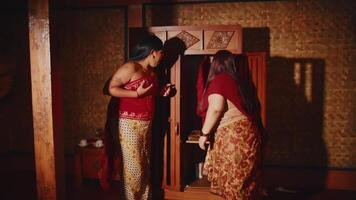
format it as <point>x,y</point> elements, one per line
<point>135,142</point>
<point>232,162</point>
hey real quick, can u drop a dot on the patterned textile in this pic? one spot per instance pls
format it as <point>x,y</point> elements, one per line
<point>139,108</point>
<point>232,162</point>
<point>129,119</point>
<point>135,140</point>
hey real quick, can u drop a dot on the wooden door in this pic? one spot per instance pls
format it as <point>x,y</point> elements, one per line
<point>173,181</point>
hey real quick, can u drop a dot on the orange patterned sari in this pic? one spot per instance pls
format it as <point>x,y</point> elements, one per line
<point>232,164</point>
<point>135,142</point>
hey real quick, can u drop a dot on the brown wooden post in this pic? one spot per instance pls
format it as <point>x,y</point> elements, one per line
<point>134,15</point>
<point>50,177</point>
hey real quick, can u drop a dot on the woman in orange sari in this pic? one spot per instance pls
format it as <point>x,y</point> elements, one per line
<point>233,158</point>
<point>135,85</point>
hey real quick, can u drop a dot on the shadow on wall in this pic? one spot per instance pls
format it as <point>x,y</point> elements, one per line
<point>295,112</point>
<point>294,115</point>
<point>256,39</point>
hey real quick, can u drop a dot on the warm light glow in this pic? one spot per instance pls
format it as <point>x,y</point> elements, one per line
<point>308,82</point>
<point>297,73</point>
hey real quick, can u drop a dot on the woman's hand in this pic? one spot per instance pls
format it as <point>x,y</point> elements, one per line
<point>143,91</point>
<point>202,141</point>
<point>168,90</point>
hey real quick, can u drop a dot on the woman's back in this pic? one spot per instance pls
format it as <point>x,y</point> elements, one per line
<point>231,114</point>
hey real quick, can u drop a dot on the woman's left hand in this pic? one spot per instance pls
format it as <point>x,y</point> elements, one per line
<point>202,142</point>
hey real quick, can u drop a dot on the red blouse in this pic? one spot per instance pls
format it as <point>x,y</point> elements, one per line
<point>139,108</point>
<point>224,85</point>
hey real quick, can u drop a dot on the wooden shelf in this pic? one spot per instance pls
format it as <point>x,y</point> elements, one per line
<point>194,142</point>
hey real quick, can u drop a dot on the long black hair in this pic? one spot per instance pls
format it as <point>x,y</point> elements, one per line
<point>145,46</point>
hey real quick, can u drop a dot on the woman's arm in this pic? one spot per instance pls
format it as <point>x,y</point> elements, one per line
<point>215,109</point>
<point>123,76</point>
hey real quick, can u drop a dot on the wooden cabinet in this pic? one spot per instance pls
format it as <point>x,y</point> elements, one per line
<point>87,163</point>
<point>186,47</point>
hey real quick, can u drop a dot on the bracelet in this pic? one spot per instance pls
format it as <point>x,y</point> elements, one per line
<point>202,134</point>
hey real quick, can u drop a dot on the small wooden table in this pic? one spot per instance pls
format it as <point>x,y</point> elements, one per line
<point>87,163</point>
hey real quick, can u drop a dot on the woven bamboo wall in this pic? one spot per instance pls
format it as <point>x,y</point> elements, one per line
<point>311,88</point>
<point>88,45</point>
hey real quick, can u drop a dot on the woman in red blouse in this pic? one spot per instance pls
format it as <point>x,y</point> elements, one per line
<point>233,158</point>
<point>135,86</point>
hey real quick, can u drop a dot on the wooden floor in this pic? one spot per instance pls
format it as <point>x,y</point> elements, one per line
<point>195,191</point>
<point>19,186</point>
<point>192,194</point>
<point>272,194</point>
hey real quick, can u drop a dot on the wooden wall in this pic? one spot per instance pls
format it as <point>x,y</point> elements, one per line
<point>311,72</point>
<point>87,46</point>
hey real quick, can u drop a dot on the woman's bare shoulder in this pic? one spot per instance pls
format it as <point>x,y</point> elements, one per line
<point>126,69</point>
<point>130,66</point>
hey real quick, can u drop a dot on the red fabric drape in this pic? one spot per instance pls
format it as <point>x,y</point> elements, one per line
<point>203,71</point>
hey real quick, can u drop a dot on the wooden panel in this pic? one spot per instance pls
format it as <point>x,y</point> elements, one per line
<point>161,35</point>
<point>165,161</point>
<point>91,163</point>
<point>175,130</point>
<point>134,17</point>
<point>42,102</point>
<point>226,39</point>
<point>192,39</point>
<point>204,34</point>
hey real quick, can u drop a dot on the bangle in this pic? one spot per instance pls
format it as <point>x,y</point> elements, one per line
<point>138,95</point>
<point>202,134</point>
